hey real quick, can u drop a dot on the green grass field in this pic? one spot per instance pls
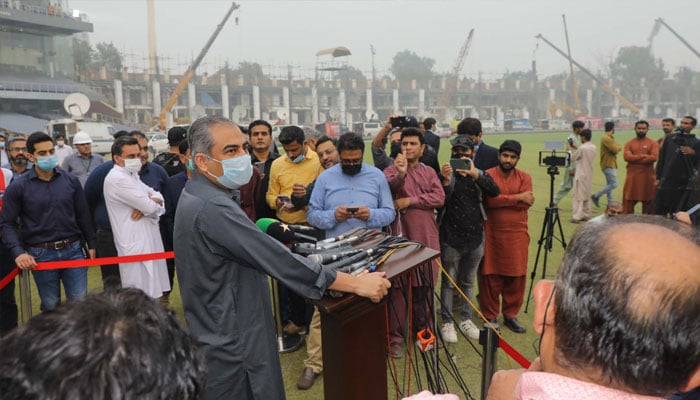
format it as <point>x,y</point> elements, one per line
<point>468,362</point>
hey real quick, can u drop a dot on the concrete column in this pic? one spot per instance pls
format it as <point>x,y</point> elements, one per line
<point>224,102</point>
<point>119,96</point>
<point>342,107</point>
<point>256,102</point>
<point>589,101</point>
<point>157,104</point>
<point>421,102</point>
<point>314,104</point>
<point>191,96</point>
<point>286,103</point>
<point>370,105</point>
<point>395,94</point>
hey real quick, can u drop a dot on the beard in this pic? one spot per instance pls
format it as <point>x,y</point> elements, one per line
<point>641,135</point>
<point>506,167</point>
<point>19,160</point>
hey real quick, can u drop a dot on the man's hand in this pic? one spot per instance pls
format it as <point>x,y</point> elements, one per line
<point>372,285</point>
<point>687,150</point>
<point>341,214</point>
<point>401,164</point>
<point>446,173</point>
<point>503,382</point>
<point>362,213</point>
<point>92,253</point>
<point>156,199</point>
<point>25,262</point>
<point>136,215</point>
<point>526,197</point>
<point>298,190</point>
<point>402,203</point>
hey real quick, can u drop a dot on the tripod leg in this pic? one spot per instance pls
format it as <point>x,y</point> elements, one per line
<point>561,231</point>
<point>540,242</point>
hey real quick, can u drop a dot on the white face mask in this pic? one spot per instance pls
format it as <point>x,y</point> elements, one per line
<point>60,143</point>
<point>132,165</point>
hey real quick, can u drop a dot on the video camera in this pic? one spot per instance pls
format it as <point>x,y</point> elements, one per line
<point>554,158</point>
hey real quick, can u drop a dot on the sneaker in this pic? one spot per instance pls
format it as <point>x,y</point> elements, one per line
<point>395,351</point>
<point>595,201</point>
<point>468,328</point>
<point>291,328</point>
<point>448,332</point>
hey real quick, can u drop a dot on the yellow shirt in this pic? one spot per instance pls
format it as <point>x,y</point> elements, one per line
<point>608,151</point>
<point>283,175</point>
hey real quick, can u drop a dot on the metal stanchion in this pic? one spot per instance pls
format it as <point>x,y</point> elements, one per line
<point>489,341</point>
<point>25,296</point>
<point>286,343</point>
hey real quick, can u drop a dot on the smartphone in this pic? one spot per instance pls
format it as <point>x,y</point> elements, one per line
<point>286,200</point>
<point>260,165</point>
<point>352,209</point>
<point>399,122</point>
<point>458,163</point>
<point>571,141</point>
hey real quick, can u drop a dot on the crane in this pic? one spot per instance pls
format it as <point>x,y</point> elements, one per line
<point>452,82</point>
<point>192,68</point>
<point>574,91</point>
<point>657,25</point>
<point>602,84</point>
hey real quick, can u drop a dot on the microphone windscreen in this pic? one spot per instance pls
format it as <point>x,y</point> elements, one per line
<point>264,223</point>
<point>281,232</point>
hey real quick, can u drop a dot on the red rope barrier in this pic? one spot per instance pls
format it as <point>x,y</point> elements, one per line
<point>519,358</point>
<point>88,262</point>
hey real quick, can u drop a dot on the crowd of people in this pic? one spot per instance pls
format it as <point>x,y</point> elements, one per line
<point>202,198</point>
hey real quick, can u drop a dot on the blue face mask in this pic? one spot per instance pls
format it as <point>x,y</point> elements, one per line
<point>300,157</point>
<point>47,163</point>
<point>2,145</point>
<point>476,147</point>
<point>190,164</point>
<point>237,171</point>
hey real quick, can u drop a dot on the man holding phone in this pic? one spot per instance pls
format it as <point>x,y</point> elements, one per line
<point>348,194</point>
<point>462,232</point>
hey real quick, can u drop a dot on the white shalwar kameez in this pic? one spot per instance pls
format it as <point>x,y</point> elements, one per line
<point>124,192</point>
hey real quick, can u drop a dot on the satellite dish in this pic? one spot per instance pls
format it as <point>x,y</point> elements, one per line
<point>282,113</point>
<point>334,112</point>
<point>77,105</point>
<point>625,112</point>
<point>370,115</point>
<point>559,113</point>
<point>239,112</point>
<point>657,110</point>
<point>450,114</point>
<point>197,112</point>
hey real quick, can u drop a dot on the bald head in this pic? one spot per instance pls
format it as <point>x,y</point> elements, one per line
<point>626,302</point>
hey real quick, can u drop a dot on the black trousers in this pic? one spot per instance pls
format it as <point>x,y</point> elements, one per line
<point>106,248</point>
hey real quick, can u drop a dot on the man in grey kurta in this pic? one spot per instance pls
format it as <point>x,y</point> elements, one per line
<point>222,262</point>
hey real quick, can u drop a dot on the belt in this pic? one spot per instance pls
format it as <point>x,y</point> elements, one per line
<point>58,245</point>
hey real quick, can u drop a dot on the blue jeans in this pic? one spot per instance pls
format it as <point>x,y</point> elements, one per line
<point>48,281</point>
<point>611,184</point>
<point>461,266</point>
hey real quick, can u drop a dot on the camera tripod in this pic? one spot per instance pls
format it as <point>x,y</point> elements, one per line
<point>551,218</point>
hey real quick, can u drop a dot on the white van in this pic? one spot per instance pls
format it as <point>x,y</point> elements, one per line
<point>367,129</point>
<point>102,134</point>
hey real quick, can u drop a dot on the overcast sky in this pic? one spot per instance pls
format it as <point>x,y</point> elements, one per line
<point>291,32</point>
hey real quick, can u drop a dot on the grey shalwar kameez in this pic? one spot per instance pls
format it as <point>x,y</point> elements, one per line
<point>222,262</point>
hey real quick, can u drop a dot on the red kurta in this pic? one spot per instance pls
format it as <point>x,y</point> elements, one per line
<point>640,154</point>
<point>507,238</point>
<point>425,192</point>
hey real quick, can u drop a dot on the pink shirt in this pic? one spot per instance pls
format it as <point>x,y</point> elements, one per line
<point>546,386</point>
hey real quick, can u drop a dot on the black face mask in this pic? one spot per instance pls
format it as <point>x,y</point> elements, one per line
<point>351,169</point>
<point>395,149</point>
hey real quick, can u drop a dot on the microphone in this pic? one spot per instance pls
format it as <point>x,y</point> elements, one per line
<point>282,232</point>
<point>303,228</point>
<point>337,243</point>
<point>339,237</point>
<point>323,258</point>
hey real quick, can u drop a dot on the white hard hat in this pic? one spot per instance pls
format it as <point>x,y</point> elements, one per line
<point>81,137</point>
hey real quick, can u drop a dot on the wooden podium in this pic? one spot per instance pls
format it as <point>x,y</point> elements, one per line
<point>354,332</point>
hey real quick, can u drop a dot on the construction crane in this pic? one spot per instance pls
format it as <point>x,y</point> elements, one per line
<point>574,88</point>
<point>602,84</point>
<point>454,78</point>
<point>192,68</point>
<point>657,26</point>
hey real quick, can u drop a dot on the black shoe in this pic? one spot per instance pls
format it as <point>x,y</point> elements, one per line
<point>306,379</point>
<point>514,325</point>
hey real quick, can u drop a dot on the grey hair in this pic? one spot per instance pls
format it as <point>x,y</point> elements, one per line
<point>200,137</point>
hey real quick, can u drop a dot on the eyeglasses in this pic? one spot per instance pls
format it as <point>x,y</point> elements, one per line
<point>327,152</point>
<point>17,149</point>
<point>356,161</point>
